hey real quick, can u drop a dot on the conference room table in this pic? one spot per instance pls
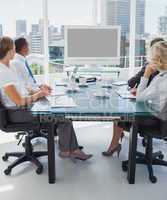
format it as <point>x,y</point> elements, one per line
<point>90,107</point>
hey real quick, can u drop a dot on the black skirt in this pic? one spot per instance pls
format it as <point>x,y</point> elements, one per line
<point>22,116</point>
<point>144,123</point>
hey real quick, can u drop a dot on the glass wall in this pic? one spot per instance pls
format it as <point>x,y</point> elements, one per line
<point>62,13</point>
<point>151,22</point>
<point>22,18</point>
<point>25,18</point>
<point>118,13</point>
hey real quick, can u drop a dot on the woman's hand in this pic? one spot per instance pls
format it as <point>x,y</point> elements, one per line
<point>150,69</point>
<point>46,87</point>
<point>133,91</point>
<point>44,92</point>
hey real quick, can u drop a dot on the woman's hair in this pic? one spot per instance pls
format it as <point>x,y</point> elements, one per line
<point>6,44</point>
<point>155,40</point>
<point>158,55</point>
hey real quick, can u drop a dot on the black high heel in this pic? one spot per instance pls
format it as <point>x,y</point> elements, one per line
<point>111,153</point>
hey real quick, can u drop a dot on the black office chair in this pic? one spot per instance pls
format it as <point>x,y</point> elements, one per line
<point>150,158</point>
<point>28,155</point>
<point>34,135</point>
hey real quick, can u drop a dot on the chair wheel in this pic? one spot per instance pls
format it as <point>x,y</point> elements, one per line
<point>39,170</point>
<point>124,167</point>
<point>7,171</point>
<point>161,157</point>
<point>23,145</point>
<point>153,179</point>
<point>5,158</point>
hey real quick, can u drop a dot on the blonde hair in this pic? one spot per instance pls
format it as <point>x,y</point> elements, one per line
<point>158,55</point>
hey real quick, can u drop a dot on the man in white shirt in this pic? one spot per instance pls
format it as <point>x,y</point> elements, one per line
<point>22,67</point>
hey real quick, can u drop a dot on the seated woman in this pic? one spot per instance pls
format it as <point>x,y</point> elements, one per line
<point>134,81</point>
<point>155,93</point>
<point>14,94</point>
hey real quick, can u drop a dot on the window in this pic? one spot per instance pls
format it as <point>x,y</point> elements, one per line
<point>61,13</point>
<point>118,13</point>
<point>25,18</point>
<point>22,18</point>
<point>151,22</point>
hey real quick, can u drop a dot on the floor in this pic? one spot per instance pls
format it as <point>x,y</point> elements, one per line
<point>98,179</point>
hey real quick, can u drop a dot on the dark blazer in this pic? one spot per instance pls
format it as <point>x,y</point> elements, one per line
<point>135,80</point>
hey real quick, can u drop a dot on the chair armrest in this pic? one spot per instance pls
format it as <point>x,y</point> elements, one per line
<point>3,117</point>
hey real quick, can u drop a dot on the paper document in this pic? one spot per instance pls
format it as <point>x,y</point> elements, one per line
<point>125,94</point>
<point>61,102</point>
<point>119,83</point>
<point>72,89</point>
<point>62,83</point>
<point>102,94</point>
<point>58,92</point>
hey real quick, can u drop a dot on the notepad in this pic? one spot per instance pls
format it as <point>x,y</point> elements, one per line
<point>125,94</point>
<point>119,83</point>
<point>61,102</point>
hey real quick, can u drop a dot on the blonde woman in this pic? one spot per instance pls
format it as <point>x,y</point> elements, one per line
<point>155,93</point>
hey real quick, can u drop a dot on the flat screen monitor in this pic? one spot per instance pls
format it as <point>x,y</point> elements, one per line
<point>92,45</point>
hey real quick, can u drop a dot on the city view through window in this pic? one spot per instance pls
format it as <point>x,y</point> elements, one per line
<point>25,18</point>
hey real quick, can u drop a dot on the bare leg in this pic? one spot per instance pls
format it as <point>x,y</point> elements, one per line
<point>117,133</point>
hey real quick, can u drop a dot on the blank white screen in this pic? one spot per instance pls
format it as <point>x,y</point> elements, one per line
<point>92,43</point>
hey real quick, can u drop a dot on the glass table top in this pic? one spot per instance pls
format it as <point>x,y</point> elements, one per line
<point>89,104</point>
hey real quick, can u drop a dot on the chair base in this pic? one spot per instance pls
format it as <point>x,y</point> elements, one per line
<point>28,155</point>
<point>141,158</point>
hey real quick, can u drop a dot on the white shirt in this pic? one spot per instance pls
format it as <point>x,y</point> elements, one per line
<point>8,76</point>
<point>19,64</point>
<point>155,94</point>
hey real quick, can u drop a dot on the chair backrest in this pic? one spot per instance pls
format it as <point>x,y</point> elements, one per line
<point>163,119</point>
<point>161,115</point>
<point>3,116</point>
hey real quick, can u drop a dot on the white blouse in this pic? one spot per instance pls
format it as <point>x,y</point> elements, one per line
<point>155,94</point>
<point>8,76</point>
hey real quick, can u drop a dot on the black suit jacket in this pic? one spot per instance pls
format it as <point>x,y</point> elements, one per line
<point>135,80</point>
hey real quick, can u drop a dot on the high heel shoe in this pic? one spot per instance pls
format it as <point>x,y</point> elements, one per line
<point>111,153</point>
<point>80,156</point>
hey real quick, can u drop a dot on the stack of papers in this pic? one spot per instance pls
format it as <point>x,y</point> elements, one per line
<point>61,101</point>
